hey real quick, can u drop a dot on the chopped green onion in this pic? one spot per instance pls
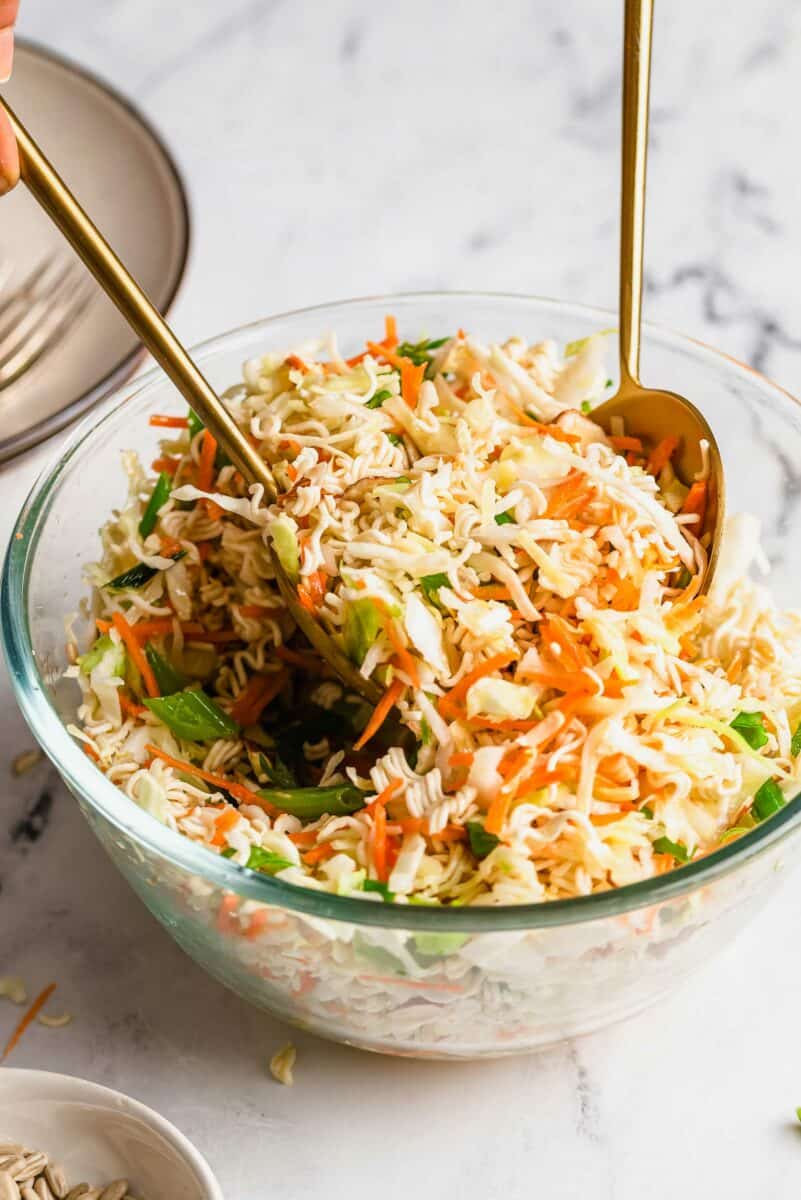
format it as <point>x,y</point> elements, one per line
<point>277,772</point>
<point>435,945</point>
<point>168,679</point>
<point>420,352</point>
<point>481,842</point>
<point>360,628</point>
<point>609,383</point>
<point>378,399</point>
<point>798,1112</point>
<point>311,803</point>
<point>395,438</point>
<point>767,800</point>
<point>684,578</point>
<point>647,811</point>
<point>431,585</point>
<point>505,518</point>
<point>374,885</point>
<point>193,716</point>
<point>750,726</point>
<point>158,498</point>
<point>196,426</point>
<point>663,845</point>
<point>266,861</point>
<point>87,662</point>
<point>137,576</point>
<point>426,736</point>
<point>735,832</point>
<point>195,423</point>
<point>795,744</point>
<point>586,406</point>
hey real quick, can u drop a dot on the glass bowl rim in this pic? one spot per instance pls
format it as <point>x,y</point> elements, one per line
<point>88,782</point>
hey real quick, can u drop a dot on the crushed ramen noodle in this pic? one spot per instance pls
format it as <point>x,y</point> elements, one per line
<point>561,711</point>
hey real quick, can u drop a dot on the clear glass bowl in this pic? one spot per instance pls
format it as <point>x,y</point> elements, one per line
<point>402,980</point>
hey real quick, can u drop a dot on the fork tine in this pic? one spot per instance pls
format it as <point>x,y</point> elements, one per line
<point>16,329</point>
<point>29,282</point>
<point>53,328</point>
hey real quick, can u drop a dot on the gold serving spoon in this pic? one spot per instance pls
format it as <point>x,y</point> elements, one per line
<point>647,413</point>
<point>54,196</point>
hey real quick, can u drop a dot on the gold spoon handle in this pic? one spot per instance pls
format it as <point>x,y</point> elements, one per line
<point>636,81</point>
<point>49,189</point>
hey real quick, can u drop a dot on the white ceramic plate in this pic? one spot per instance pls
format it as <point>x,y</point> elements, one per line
<point>127,182</point>
<point>97,1135</point>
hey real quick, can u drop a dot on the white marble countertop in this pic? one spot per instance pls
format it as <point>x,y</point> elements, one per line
<point>367,148</point>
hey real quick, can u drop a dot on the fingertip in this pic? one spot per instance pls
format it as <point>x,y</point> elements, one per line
<point>9,157</point>
<point>6,54</point>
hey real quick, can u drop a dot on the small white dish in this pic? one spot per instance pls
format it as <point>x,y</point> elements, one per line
<point>97,1134</point>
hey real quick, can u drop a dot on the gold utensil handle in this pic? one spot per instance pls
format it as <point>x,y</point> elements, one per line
<point>636,80</point>
<point>49,189</point>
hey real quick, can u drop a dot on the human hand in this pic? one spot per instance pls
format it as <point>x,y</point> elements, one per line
<point>9,158</point>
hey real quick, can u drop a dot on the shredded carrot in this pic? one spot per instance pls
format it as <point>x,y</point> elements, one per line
<point>258,923</point>
<point>512,761</point>
<point>307,661</point>
<point>451,833</point>
<point>411,376</point>
<point>491,591</point>
<point>170,546</point>
<point>497,811</point>
<point>303,837</point>
<point>291,471</point>
<point>508,723</point>
<point>129,707</point>
<point>542,777</point>
<point>462,759</point>
<point>298,364</point>
<point>383,798</point>
<point>555,431</point>
<point>661,455</point>
<point>169,422</point>
<point>28,1018</point>
<point>137,653</point>
<point>168,465</point>
<point>90,752</point>
<point>606,818</point>
<point>626,443</point>
<point>311,592</point>
<point>357,358</point>
<point>695,502</point>
<point>103,626</point>
<point>214,510</point>
<point>380,842</point>
<point>390,332</point>
<point>205,467</point>
<point>448,703</point>
<point>565,681</point>
<point>572,654</point>
<point>226,820</point>
<point>382,711</point>
<point>255,696</point>
<point>319,854</point>
<point>253,611</point>
<point>238,790</point>
<point>226,915</point>
<point>567,496</point>
<point>204,549</point>
<point>734,667</point>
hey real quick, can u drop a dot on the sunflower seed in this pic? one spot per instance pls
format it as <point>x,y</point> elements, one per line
<point>10,1147</point>
<point>33,1165</point>
<point>13,987</point>
<point>5,1159</point>
<point>56,1180</point>
<point>16,1164</point>
<point>41,1190</point>
<point>78,1192</point>
<point>26,761</point>
<point>8,1188</point>
<point>115,1190</point>
<point>28,1193</point>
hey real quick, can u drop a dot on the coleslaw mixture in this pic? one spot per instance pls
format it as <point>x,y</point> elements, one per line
<point>561,711</point>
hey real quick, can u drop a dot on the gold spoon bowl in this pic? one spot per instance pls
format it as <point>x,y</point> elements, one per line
<point>648,413</point>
